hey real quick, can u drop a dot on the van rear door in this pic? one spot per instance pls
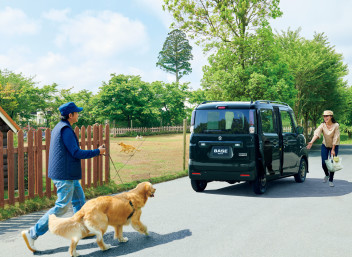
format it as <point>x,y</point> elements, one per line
<point>223,140</point>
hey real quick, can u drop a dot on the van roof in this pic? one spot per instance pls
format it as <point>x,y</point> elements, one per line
<point>240,105</point>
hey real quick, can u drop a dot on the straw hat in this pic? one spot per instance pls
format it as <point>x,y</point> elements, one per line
<point>328,112</point>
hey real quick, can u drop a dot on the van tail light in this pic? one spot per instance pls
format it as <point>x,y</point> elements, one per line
<point>251,117</point>
<point>196,173</point>
<point>221,107</point>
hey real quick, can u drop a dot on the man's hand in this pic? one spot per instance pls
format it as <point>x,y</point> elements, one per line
<point>102,149</point>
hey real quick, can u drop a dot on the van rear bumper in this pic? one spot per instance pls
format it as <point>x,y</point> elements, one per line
<point>221,175</point>
<point>235,171</point>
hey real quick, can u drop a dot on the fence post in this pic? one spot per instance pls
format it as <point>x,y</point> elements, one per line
<point>31,164</point>
<point>11,168</point>
<point>2,202</point>
<point>100,157</point>
<point>39,163</point>
<point>20,166</point>
<point>184,143</point>
<point>89,161</point>
<point>107,153</point>
<point>47,148</point>
<point>95,159</point>
<point>83,161</point>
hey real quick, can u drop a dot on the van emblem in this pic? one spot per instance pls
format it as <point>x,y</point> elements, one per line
<point>220,138</point>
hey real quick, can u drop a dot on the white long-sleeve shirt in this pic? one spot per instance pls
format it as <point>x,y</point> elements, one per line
<point>330,136</point>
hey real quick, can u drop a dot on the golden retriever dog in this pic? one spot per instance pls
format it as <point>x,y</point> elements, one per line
<point>127,148</point>
<point>97,214</point>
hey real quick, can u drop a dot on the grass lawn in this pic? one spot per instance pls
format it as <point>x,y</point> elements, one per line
<point>158,155</point>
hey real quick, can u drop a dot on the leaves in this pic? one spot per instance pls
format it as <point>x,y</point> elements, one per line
<point>176,54</point>
<point>127,98</point>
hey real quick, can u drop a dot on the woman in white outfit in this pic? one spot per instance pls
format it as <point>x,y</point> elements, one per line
<point>331,140</point>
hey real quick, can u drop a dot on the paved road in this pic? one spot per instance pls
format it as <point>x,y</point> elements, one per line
<point>291,219</point>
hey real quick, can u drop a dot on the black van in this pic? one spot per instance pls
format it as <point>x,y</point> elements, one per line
<point>245,141</point>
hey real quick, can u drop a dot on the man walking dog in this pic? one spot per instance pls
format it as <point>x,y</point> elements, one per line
<point>64,170</point>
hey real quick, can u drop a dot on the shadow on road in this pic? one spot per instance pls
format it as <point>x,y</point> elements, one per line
<point>24,222</point>
<point>288,188</point>
<point>19,223</point>
<point>136,242</point>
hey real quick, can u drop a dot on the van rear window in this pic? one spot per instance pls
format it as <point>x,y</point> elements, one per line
<point>226,121</point>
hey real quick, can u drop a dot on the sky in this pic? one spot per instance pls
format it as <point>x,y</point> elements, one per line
<point>78,44</point>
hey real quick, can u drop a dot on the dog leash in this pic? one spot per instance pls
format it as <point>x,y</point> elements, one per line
<point>117,171</point>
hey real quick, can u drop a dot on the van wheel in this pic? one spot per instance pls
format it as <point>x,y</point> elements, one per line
<point>302,172</point>
<point>259,185</point>
<point>198,185</point>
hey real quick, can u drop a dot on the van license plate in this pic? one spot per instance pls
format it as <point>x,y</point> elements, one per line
<point>221,151</point>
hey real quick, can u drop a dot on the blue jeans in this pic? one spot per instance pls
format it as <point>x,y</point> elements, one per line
<point>325,153</point>
<point>67,191</point>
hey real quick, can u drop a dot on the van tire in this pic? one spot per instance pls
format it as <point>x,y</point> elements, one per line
<point>300,177</point>
<point>198,185</point>
<point>260,184</point>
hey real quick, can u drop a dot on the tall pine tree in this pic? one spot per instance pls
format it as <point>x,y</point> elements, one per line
<point>176,54</point>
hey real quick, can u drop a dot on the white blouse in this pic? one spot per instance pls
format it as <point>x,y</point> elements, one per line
<point>330,136</point>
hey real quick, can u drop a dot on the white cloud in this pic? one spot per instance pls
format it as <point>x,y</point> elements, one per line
<point>105,33</point>
<point>91,46</point>
<point>15,22</point>
<point>57,15</point>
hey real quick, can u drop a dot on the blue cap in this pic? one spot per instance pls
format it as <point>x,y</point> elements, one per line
<point>68,108</point>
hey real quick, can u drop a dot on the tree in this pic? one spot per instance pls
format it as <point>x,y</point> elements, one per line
<point>176,54</point>
<point>318,73</point>
<point>240,39</point>
<point>229,22</point>
<point>265,75</point>
<point>126,98</point>
<point>18,96</point>
<point>170,102</point>
<point>46,104</point>
<point>345,118</point>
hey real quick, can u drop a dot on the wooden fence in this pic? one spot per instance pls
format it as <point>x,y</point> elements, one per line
<point>35,154</point>
<point>121,131</point>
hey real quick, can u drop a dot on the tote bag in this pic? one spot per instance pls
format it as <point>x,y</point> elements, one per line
<point>334,164</point>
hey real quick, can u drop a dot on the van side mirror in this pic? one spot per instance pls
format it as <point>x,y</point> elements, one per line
<point>299,130</point>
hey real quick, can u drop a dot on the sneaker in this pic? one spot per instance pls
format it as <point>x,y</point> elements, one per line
<point>331,184</point>
<point>326,178</point>
<point>29,241</point>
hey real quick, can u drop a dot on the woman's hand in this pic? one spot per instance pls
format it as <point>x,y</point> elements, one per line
<point>309,145</point>
<point>333,152</point>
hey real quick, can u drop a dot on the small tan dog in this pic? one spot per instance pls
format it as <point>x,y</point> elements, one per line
<point>97,214</point>
<point>127,148</point>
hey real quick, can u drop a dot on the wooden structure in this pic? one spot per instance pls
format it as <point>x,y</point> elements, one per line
<point>94,171</point>
<point>122,131</point>
<point>6,125</point>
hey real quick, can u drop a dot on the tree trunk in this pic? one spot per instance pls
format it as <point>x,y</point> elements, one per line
<point>306,126</point>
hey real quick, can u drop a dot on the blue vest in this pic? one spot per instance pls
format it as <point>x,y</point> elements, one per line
<point>62,165</point>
